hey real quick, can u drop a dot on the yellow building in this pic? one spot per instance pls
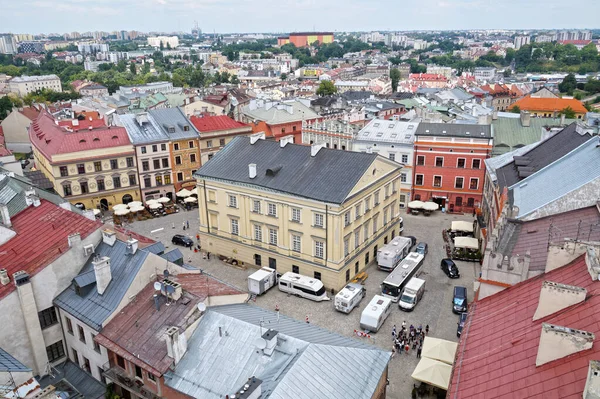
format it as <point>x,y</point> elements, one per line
<point>310,210</point>
<point>92,166</point>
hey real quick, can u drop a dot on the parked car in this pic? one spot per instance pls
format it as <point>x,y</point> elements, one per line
<point>459,300</point>
<point>421,248</point>
<point>449,268</point>
<point>461,323</point>
<point>179,239</point>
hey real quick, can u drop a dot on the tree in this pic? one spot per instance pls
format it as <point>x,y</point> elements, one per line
<point>234,80</point>
<point>162,46</point>
<point>395,76</point>
<point>5,107</point>
<point>515,109</point>
<point>132,68</point>
<point>568,112</point>
<point>326,88</point>
<point>568,84</point>
<point>368,62</point>
<point>283,76</point>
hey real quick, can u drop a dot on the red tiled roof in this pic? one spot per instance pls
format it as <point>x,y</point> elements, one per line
<point>499,344</point>
<point>30,112</point>
<point>582,42</point>
<point>51,139</point>
<point>216,123</point>
<point>41,238</point>
<point>529,103</point>
<point>2,133</point>
<point>82,124</point>
<point>427,77</point>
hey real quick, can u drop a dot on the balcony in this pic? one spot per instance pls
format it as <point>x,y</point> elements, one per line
<point>125,381</point>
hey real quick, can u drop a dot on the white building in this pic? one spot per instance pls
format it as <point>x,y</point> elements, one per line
<point>440,70</point>
<point>334,134</point>
<point>172,41</point>
<point>520,41</point>
<point>484,73</point>
<point>8,44</point>
<point>393,140</point>
<point>23,85</point>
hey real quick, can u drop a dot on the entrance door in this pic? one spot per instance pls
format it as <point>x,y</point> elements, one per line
<point>257,260</point>
<point>127,199</point>
<point>273,263</point>
<point>104,204</point>
<point>169,195</point>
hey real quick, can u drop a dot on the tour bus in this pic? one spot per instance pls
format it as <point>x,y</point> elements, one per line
<point>349,297</point>
<point>303,286</point>
<point>374,315</point>
<point>394,283</point>
<point>392,253</point>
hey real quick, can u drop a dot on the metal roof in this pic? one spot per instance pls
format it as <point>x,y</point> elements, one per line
<point>74,377</point>
<point>173,255</point>
<point>149,132</point>
<point>174,118</point>
<point>92,308</point>
<point>9,363</point>
<point>158,248</point>
<point>274,112</point>
<point>300,174</point>
<point>454,130</point>
<point>388,131</point>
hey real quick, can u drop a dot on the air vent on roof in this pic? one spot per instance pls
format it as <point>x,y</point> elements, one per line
<point>82,141</point>
<point>96,139</point>
<point>273,171</point>
<point>115,137</point>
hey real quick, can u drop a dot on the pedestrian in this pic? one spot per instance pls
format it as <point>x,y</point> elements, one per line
<point>187,224</point>
<point>419,350</point>
<point>404,324</point>
<point>394,332</point>
<point>393,351</point>
<point>208,255</point>
<point>184,225</point>
<point>406,348</point>
<point>427,329</point>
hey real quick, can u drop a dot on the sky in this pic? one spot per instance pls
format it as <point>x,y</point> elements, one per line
<point>228,16</point>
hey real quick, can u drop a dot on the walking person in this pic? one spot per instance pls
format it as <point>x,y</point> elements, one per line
<point>183,225</point>
<point>393,351</point>
<point>419,350</point>
<point>394,332</point>
<point>187,224</point>
<point>208,255</point>
<point>427,329</point>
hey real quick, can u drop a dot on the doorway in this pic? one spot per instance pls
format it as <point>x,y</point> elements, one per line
<point>104,204</point>
<point>127,198</point>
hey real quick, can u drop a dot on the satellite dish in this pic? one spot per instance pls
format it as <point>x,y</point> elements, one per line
<point>170,289</point>
<point>166,273</point>
<point>201,307</point>
<point>260,343</point>
<point>157,286</point>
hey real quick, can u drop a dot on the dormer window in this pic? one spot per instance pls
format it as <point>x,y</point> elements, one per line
<point>171,129</point>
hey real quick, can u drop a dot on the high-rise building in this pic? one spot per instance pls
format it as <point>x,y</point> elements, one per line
<point>172,41</point>
<point>521,41</point>
<point>8,44</point>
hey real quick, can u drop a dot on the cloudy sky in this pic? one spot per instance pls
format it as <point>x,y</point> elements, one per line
<point>46,16</point>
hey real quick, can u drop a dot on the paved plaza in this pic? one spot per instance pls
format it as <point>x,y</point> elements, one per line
<point>435,309</point>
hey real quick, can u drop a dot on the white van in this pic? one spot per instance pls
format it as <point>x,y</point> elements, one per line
<point>413,292</point>
<point>303,286</point>
<point>349,297</point>
<point>374,315</point>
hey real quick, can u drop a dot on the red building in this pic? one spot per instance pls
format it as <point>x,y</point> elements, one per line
<point>305,39</point>
<point>448,164</point>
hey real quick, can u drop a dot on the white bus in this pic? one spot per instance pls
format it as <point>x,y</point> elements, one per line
<point>303,286</point>
<point>392,253</point>
<point>374,315</point>
<point>393,284</point>
<point>349,297</point>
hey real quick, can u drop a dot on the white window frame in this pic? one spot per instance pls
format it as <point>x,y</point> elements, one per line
<point>465,164</point>
<point>424,160</point>
<point>375,226</point>
<point>296,215</point>
<point>273,239</point>
<point>385,216</point>
<point>376,198</point>
<point>296,243</point>
<point>347,219</point>
<point>346,246</point>
<point>367,204</point>
<point>404,158</point>
<point>258,233</point>
<point>394,186</point>
<point>319,216</point>
<point>441,181</point>
<point>271,209</point>
<point>473,161</point>
<point>235,227</point>
<point>256,206</point>
<point>357,238</point>
<point>319,249</point>
<point>435,163</point>
<point>386,190</point>
<point>233,201</point>
<point>392,156</point>
<point>474,178</point>
<point>402,201</point>
<point>366,231</point>
<point>463,182</point>
<point>422,179</point>
<point>403,178</point>
<point>356,211</point>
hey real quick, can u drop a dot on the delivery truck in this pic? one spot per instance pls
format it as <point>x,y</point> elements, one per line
<point>261,280</point>
<point>412,294</point>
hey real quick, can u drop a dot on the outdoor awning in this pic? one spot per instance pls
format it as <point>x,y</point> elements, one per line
<point>184,193</point>
<point>122,212</point>
<point>433,372</point>
<point>416,204</point>
<point>195,191</point>
<point>439,349</point>
<point>466,242</point>
<point>190,199</point>
<point>157,205</point>
<point>135,203</point>
<point>119,206</point>
<point>96,211</point>
<point>163,200</point>
<point>430,206</point>
<point>151,202</point>
<point>136,208</point>
<point>460,225</point>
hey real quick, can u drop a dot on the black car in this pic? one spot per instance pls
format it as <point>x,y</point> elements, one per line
<point>461,323</point>
<point>421,248</point>
<point>413,240</point>
<point>180,239</point>
<point>459,300</point>
<point>449,267</point>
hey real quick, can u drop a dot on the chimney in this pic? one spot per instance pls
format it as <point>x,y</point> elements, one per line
<point>5,215</point>
<point>74,240</point>
<point>109,237</point>
<point>4,279</point>
<point>557,342</point>
<point>555,297</point>
<point>592,384</point>
<point>257,136</point>
<point>494,115</point>
<point>75,122</point>
<point>270,338</point>
<point>176,343</point>
<point>252,170</point>
<point>286,140</point>
<point>315,148</point>
<point>525,118</point>
<point>562,119</point>
<point>132,246</point>
<point>103,273</point>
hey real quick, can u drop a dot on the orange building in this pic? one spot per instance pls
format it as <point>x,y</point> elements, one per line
<point>305,39</point>
<point>550,107</point>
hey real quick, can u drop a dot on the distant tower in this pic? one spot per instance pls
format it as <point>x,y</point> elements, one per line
<point>195,30</point>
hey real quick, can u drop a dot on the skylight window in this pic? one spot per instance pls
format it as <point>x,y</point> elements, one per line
<point>394,135</point>
<point>379,134</point>
<point>376,125</point>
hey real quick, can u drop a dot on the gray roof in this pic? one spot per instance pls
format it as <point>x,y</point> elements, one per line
<point>300,174</point>
<point>149,132</point>
<point>215,365</point>
<point>275,112</point>
<point>388,131</point>
<point>174,118</point>
<point>454,130</point>
<point>92,308</point>
<point>68,376</point>
<point>9,363</point>
<point>158,248</point>
<point>493,164</point>
<point>173,255</point>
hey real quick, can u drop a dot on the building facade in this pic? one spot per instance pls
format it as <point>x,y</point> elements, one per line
<point>216,132</point>
<point>309,210</point>
<point>334,134</point>
<point>23,85</point>
<point>449,164</point>
<point>305,39</point>
<point>16,126</point>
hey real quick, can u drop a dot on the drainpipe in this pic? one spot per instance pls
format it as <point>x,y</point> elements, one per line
<point>206,206</point>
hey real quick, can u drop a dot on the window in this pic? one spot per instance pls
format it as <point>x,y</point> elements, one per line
<point>221,142</point>
<point>193,158</point>
<point>235,227</point>
<point>156,164</point>
<point>86,365</point>
<point>387,191</point>
<point>421,160</point>
<point>366,232</point>
<point>167,179</point>
<point>282,130</point>
<point>178,160</point>
<point>317,275</point>
<point>154,148</point>
<point>346,246</point>
<point>132,180</point>
<point>319,245</point>
<point>458,201</point>
<point>233,201</point>
<point>64,171</point>
<point>367,204</point>
<point>80,168</point>
<point>376,198</point>
<point>210,156</point>
<point>402,178</point>
<point>272,236</point>
<point>437,181</point>
<point>190,144</point>
<point>357,211</point>
<point>347,218</point>
<point>470,202</point>
<point>179,176</point>
<point>296,215</point>
<point>67,190</point>
<point>100,373</point>
<point>366,258</point>
<point>186,128</point>
<point>113,164</point>
<point>81,334</point>
<point>476,163</point>
<point>129,162</point>
<point>404,158</point>
<point>356,266</point>
<point>138,371</point>
<point>318,220</point>
<point>296,243</point>
<point>295,269</point>
<point>69,325</point>
<point>356,239</point>
<point>209,143</point>
<point>151,377</point>
<point>176,146</point>
<point>256,206</point>
<point>163,147</point>
<point>145,166</point>
<point>392,156</point>
<point>272,209</point>
<point>147,182</point>
<point>158,180</point>
<point>117,182</point>
<point>257,233</point>
<point>98,166</point>
<point>375,226</point>
<point>439,162</point>
<point>48,317</point>
<point>120,362</point>
<point>418,180</point>
<point>165,162</point>
<point>55,351</point>
<point>84,187</point>
<point>385,218</point>
<point>96,344</point>
<point>143,150</point>
<point>394,189</point>
<point>473,184</point>
<point>460,163</point>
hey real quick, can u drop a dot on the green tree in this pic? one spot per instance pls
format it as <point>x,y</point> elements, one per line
<point>146,68</point>
<point>592,86</point>
<point>568,84</point>
<point>568,112</point>
<point>177,80</point>
<point>283,76</point>
<point>234,80</point>
<point>161,46</point>
<point>132,68</point>
<point>326,88</point>
<point>6,107</point>
<point>515,109</point>
<point>368,62</point>
<point>395,77</point>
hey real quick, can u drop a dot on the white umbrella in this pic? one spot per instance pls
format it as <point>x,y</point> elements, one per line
<point>150,202</point>
<point>439,349</point>
<point>121,212</point>
<point>119,206</point>
<point>184,193</point>
<point>136,208</point>
<point>416,204</point>
<point>155,206</point>
<point>433,372</point>
<point>190,199</point>
<point>96,211</point>
<point>459,225</point>
<point>195,191</point>
<point>466,242</point>
<point>163,200</point>
<point>135,203</point>
<point>430,206</point>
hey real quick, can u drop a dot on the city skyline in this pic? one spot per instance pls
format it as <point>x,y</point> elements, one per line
<point>230,16</point>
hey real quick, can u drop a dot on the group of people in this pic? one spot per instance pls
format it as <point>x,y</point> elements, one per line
<point>408,338</point>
